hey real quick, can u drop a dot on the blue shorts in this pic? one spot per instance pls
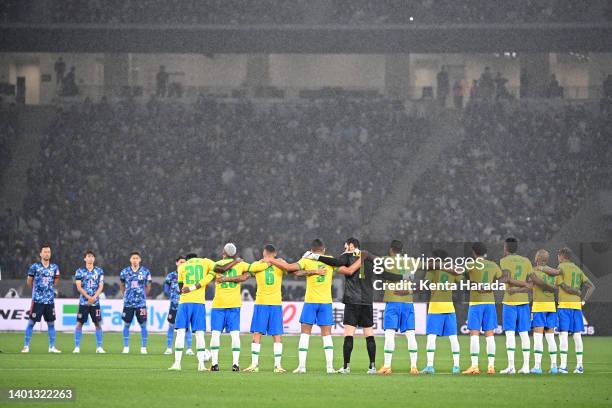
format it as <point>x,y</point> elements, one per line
<point>227,319</point>
<point>317,313</point>
<point>399,316</point>
<point>516,318</point>
<point>570,320</point>
<point>267,319</point>
<point>482,317</point>
<point>442,324</point>
<point>191,315</point>
<point>548,320</point>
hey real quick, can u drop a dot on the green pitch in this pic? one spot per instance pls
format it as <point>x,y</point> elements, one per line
<point>143,381</point>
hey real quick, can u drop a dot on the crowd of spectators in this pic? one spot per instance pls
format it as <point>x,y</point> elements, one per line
<point>523,169</point>
<point>296,11</point>
<point>167,178</point>
<point>469,11</point>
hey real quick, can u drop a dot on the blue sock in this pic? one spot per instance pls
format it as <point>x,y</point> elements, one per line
<point>28,333</point>
<point>126,335</point>
<point>170,335</point>
<point>98,337</point>
<point>78,332</point>
<point>144,334</point>
<point>188,338</point>
<point>51,329</point>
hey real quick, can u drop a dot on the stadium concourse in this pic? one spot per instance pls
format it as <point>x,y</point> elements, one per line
<point>300,11</point>
<point>169,177</point>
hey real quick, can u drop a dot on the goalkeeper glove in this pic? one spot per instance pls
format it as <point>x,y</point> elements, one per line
<point>310,255</point>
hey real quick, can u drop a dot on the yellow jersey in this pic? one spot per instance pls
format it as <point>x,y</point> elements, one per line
<point>544,301</point>
<point>518,267</point>
<point>573,277</point>
<point>488,274</point>
<point>269,283</point>
<point>441,300</point>
<point>390,295</point>
<point>227,294</point>
<point>191,272</point>
<point>318,287</point>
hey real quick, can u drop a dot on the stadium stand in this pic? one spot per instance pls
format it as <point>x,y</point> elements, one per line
<point>298,11</point>
<point>114,167</point>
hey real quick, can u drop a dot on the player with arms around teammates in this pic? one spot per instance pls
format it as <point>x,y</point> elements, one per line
<point>482,314</point>
<point>172,291</point>
<point>89,280</point>
<point>268,312</point>
<point>572,283</point>
<point>516,314</point>
<point>399,316</point>
<point>317,308</point>
<point>358,298</point>
<point>441,318</point>
<point>543,311</point>
<point>135,286</point>
<point>42,278</point>
<point>225,314</point>
<point>193,276</point>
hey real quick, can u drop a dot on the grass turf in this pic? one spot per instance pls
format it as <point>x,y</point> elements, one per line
<point>143,380</point>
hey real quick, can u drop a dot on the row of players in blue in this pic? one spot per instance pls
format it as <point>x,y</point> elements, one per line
<point>135,286</point>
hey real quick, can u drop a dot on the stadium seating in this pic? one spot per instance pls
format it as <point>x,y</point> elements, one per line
<point>166,178</point>
<point>299,11</point>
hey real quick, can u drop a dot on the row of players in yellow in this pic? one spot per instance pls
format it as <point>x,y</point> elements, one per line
<point>516,272</point>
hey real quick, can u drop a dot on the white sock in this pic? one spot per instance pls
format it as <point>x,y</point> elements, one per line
<point>179,344</point>
<point>200,346</point>
<point>526,346</point>
<point>474,349</point>
<point>389,346</point>
<point>579,348</point>
<point>328,346</point>
<point>431,349</point>
<point>454,343</point>
<point>303,349</point>
<point>255,349</point>
<point>235,347</point>
<point>552,348</point>
<point>491,350</point>
<point>215,341</point>
<point>563,346</point>
<point>412,347</point>
<point>278,354</point>
<point>510,347</point>
<point>538,349</point>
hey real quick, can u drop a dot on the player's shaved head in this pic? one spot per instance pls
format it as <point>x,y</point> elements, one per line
<point>191,255</point>
<point>511,245</point>
<point>479,248</point>
<point>180,258</point>
<point>396,246</point>
<point>269,248</point>
<point>317,245</point>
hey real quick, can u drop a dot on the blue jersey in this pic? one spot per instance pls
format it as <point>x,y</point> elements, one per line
<point>44,282</point>
<point>90,281</point>
<point>135,286</point>
<point>171,289</point>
